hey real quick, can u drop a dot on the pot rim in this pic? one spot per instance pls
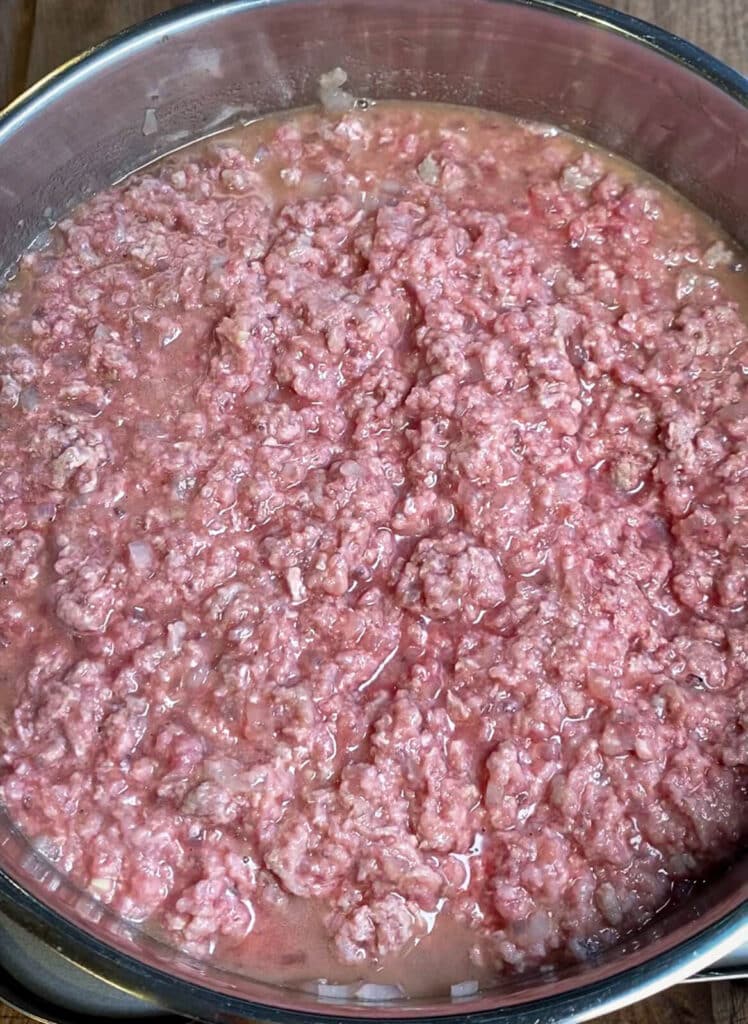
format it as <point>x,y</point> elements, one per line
<point>168,992</point>
<point>660,40</point>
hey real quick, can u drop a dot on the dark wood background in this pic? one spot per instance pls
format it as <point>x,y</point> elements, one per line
<point>37,35</point>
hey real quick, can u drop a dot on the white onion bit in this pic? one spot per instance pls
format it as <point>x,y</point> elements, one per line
<point>463,988</point>
<point>718,255</point>
<point>141,554</point>
<point>296,583</point>
<point>428,170</point>
<point>150,122</point>
<point>176,631</point>
<point>331,95</point>
<point>29,399</point>
<point>101,885</point>
<point>326,991</point>
<point>371,992</point>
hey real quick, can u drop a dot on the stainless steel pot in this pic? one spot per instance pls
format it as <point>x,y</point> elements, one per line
<point>632,88</point>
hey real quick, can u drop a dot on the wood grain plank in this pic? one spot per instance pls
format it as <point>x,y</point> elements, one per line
<point>16,33</point>
<point>719,26</point>
<point>730,1003</point>
<point>65,28</point>
<point>685,1004</point>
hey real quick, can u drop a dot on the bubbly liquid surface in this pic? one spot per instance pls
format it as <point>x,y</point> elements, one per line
<point>372,579</point>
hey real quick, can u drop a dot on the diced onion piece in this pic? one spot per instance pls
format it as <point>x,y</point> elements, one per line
<point>371,992</point>
<point>329,991</point>
<point>295,583</point>
<point>428,170</point>
<point>463,988</point>
<point>150,122</point>
<point>718,255</point>
<point>331,94</point>
<point>29,399</point>
<point>176,631</point>
<point>141,554</point>
<point>101,885</point>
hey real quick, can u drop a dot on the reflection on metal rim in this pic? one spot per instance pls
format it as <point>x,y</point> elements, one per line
<point>607,19</point>
<point>28,1003</point>
<point>581,1004</point>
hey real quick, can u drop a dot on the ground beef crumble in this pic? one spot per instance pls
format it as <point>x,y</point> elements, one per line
<point>372,511</point>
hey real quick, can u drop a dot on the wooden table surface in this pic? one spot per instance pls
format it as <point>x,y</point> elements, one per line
<point>36,35</point>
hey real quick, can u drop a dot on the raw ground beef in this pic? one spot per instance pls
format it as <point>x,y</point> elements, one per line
<point>373,496</point>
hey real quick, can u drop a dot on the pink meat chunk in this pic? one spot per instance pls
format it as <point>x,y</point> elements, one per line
<point>373,534</point>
